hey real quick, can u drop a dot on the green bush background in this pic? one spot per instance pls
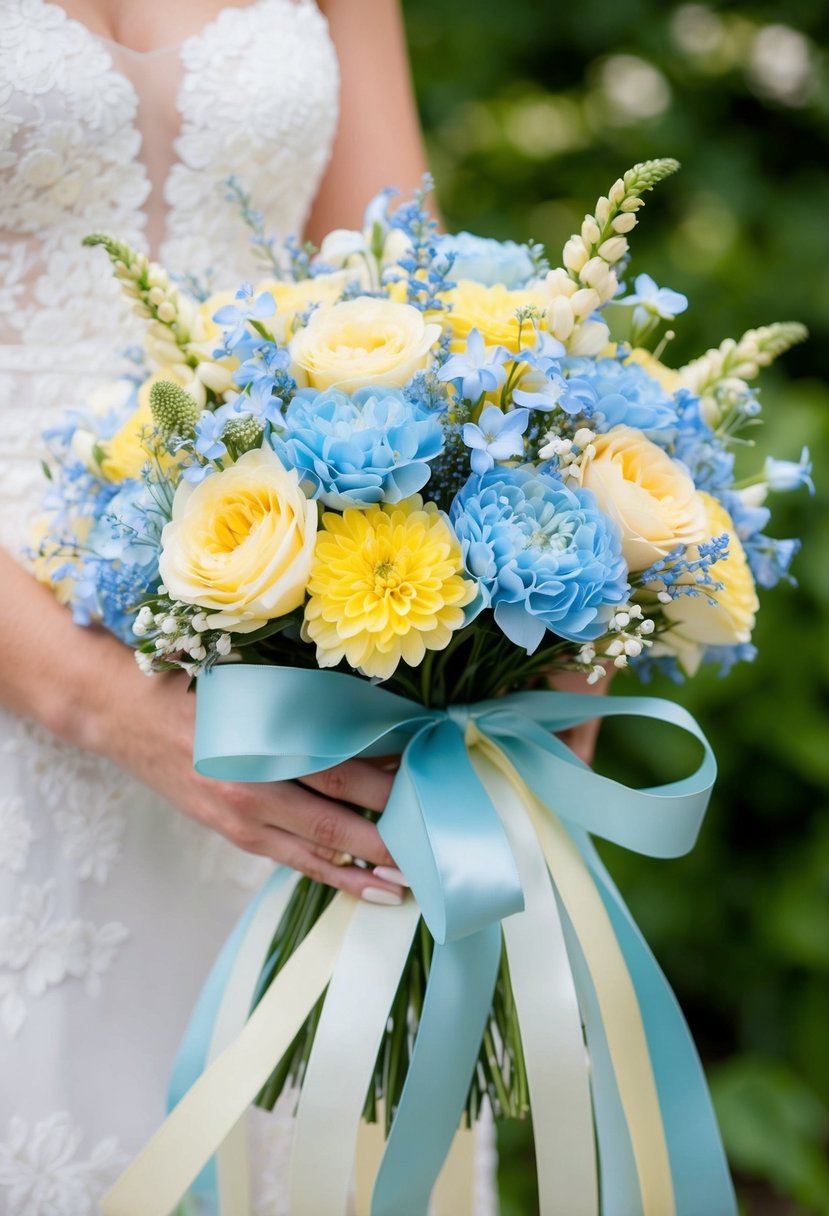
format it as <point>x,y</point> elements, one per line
<point>531,111</point>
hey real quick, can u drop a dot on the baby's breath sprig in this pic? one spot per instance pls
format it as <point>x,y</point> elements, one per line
<point>155,296</point>
<point>628,635</point>
<point>602,241</point>
<point>176,635</point>
<point>718,369</point>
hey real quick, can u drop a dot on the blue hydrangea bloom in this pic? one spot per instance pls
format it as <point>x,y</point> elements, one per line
<point>627,396</point>
<point>487,261</point>
<point>354,450</point>
<point>544,555</point>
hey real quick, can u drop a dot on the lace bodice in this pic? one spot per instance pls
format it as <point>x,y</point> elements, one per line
<point>96,137</point>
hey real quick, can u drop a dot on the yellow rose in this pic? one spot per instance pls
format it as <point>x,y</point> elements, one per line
<point>294,298</point>
<point>241,543</point>
<point>490,310</point>
<point>363,341</point>
<point>649,496</point>
<point>666,376</point>
<point>126,453</point>
<point>730,620</point>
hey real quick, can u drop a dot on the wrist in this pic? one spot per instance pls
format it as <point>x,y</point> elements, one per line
<point>82,707</point>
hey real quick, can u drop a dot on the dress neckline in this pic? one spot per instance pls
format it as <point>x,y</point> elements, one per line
<point>170,49</point>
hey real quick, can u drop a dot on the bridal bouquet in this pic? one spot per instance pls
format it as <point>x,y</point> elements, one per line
<point>370,505</point>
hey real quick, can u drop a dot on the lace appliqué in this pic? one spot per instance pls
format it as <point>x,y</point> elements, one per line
<point>276,144</point>
<point>43,1174</point>
<point>16,833</point>
<point>37,952</point>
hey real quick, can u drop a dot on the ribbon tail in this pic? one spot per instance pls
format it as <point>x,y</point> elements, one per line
<point>214,1020</point>
<point>457,1004</point>
<point>702,1180</point>
<point>346,1043</point>
<point>158,1177</point>
<point>620,1013</point>
<point>556,1058</point>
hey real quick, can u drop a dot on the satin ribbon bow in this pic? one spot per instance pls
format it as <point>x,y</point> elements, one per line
<point>474,821</point>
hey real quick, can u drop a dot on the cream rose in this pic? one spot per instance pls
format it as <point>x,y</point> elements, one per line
<point>240,543</point>
<point>363,342</point>
<point>650,496</point>
<point>730,620</point>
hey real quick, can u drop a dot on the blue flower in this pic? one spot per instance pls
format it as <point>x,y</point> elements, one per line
<point>625,396</point>
<point>496,436</point>
<point>209,435</point>
<point>768,558</point>
<point>543,385</point>
<point>650,301</point>
<point>478,370</point>
<point>488,261</point>
<point>545,556</point>
<point>234,318</point>
<point>119,563</point>
<point>373,446</point>
<point>785,475</point>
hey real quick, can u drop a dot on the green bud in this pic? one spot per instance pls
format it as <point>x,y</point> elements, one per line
<point>174,411</point>
<point>243,433</point>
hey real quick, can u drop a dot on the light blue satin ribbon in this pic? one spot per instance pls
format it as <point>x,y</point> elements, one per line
<point>447,839</point>
<point>191,1060</point>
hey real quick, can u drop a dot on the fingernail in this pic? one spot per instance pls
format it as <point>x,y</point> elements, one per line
<point>376,895</point>
<point>391,874</point>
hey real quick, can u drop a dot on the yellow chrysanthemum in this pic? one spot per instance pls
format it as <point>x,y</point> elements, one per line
<point>387,584</point>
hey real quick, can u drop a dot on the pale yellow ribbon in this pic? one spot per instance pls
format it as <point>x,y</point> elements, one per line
<point>157,1179</point>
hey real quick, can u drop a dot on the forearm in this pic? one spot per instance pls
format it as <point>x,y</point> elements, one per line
<point>51,669</point>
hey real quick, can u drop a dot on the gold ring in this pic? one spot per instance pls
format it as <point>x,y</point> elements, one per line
<point>342,859</point>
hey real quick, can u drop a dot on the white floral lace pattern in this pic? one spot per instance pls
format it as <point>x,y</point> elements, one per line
<point>39,950</point>
<point>87,796</point>
<point>43,1174</point>
<point>16,833</point>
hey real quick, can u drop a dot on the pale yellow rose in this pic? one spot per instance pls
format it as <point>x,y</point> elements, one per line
<point>294,298</point>
<point>491,310</point>
<point>363,342</point>
<point>240,543</point>
<point>130,448</point>
<point>649,496</point>
<point>730,620</point>
<point>667,377</point>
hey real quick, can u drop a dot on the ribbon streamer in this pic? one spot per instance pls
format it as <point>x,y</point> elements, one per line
<point>470,849</point>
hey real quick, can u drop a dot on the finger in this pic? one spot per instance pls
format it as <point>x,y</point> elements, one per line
<point>326,823</point>
<point>291,851</point>
<point>356,781</point>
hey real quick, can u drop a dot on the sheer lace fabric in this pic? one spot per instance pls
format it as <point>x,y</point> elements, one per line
<point>113,905</point>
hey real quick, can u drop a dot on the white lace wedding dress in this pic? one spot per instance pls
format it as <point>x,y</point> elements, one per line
<point>113,905</point>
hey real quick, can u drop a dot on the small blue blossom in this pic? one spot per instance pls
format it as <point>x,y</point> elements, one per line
<point>786,475</point>
<point>477,370</point>
<point>542,384</point>
<point>678,574</point>
<point>487,261</point>
<point>768,557</point>
<point>234,318</point>
<point>544,555</point>
<point>650,301</point>
<point>208,441</point>
<point>495,437</point>
<point>372,446</point>
<point>625,396</point>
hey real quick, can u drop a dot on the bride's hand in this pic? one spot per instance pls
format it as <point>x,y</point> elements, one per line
<point>85,687</point>
<point>308,825</point>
